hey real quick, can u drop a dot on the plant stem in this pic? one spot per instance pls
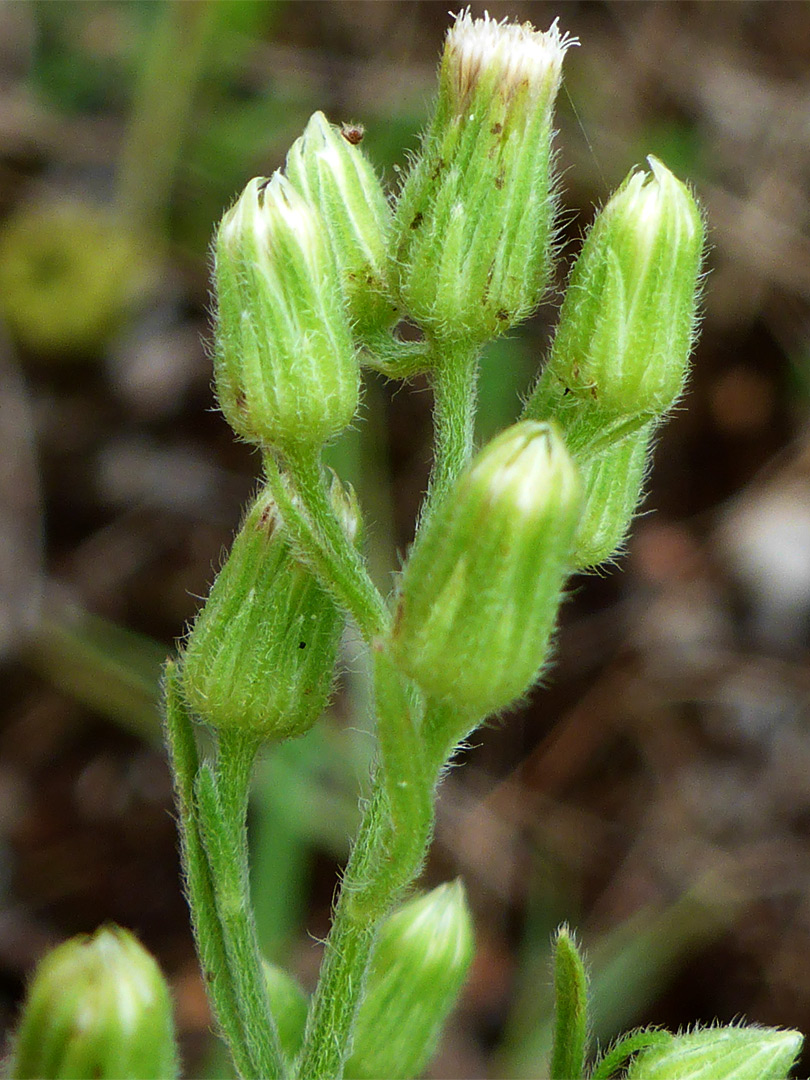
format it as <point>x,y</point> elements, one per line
<point>198,876</point>
<point>222,808</point>
<point>160,110</point>
<point>318,533</point>
<point>348,953</point>
<point>454,380</point>
<point>388,853</point>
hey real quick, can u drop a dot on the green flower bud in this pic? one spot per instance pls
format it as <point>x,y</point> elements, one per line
<point>420,964</point>
<point>285,366</point>
<point>723,1053</point>
<point>97,1006</point>
<point>474,223</point>
<point>288,1005</point>
<point>328,167</point>
<point>612,482</point>
<point>480,592</point>
<point>261,654</point>
<point>629,316</point>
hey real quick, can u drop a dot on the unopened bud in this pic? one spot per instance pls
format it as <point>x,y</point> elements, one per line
<point>285,366</point>
<point>97,1006</point>
<point>475,221</point>
<point>723,1053</point>
<point>261,654</point>
<point>422,958</point>
<point>480,592</point>
<point>328,167</point>
<point>628,320</point>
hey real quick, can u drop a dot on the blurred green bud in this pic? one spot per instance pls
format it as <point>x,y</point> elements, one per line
<point>261,653</point>
<point>69,275</point>
<point>420,964</point>
<point>722,1053</point>
<point>629,316</point>
<point>97,1007</point>
<point>612,483</point>
<point>285,366</point>
<point>328,167</point>
<point>288,1005</point>
<point>474,224</point>
<point>481,589</point>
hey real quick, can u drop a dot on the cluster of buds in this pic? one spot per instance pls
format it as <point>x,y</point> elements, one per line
<point>312,263</point>
<point>300,273</point>
<point>312,267</point>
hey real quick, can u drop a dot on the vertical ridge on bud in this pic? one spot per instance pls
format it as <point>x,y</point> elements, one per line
<point>333,174</point>
<point>620,357</point>
<point>423,954</point>
<point>285,367</point>
<point>97,1006</point>
<point>474,225</point>
<point>480,592</point>
<point>613,483</point>
<point>721,1053</point>
<point>629,317</point>
<point>261,654</point>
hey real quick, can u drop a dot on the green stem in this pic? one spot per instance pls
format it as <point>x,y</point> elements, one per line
<point>455,381</point>
<point>198,877</point>
<point>387,855</point>
<point>222,808</point>
<point>160,110</point>
<point>397,359</point>
<point>618,1056</point>
<point>319,535</point>
<point>348,952</point>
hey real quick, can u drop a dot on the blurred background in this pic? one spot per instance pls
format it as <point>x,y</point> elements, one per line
<point>656,792</point>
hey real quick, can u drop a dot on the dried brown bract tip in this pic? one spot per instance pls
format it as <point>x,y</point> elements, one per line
<point>352,133</point>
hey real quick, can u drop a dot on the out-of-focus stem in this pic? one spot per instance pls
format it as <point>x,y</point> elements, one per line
<point>160,112</point>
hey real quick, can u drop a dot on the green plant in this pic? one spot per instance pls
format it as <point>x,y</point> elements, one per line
<point>313,271</point>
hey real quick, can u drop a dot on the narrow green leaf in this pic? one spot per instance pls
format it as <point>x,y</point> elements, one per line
<point>571,1009</point>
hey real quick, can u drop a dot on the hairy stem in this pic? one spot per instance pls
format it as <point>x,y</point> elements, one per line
<point>387,855</point>
<point>222,808</point>
<point>454,381</point>
<point>199,879</point>
<point>318,533</point>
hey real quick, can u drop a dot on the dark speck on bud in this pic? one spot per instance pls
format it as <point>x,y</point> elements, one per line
<point>481,189</point>
<point>261,654</point>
